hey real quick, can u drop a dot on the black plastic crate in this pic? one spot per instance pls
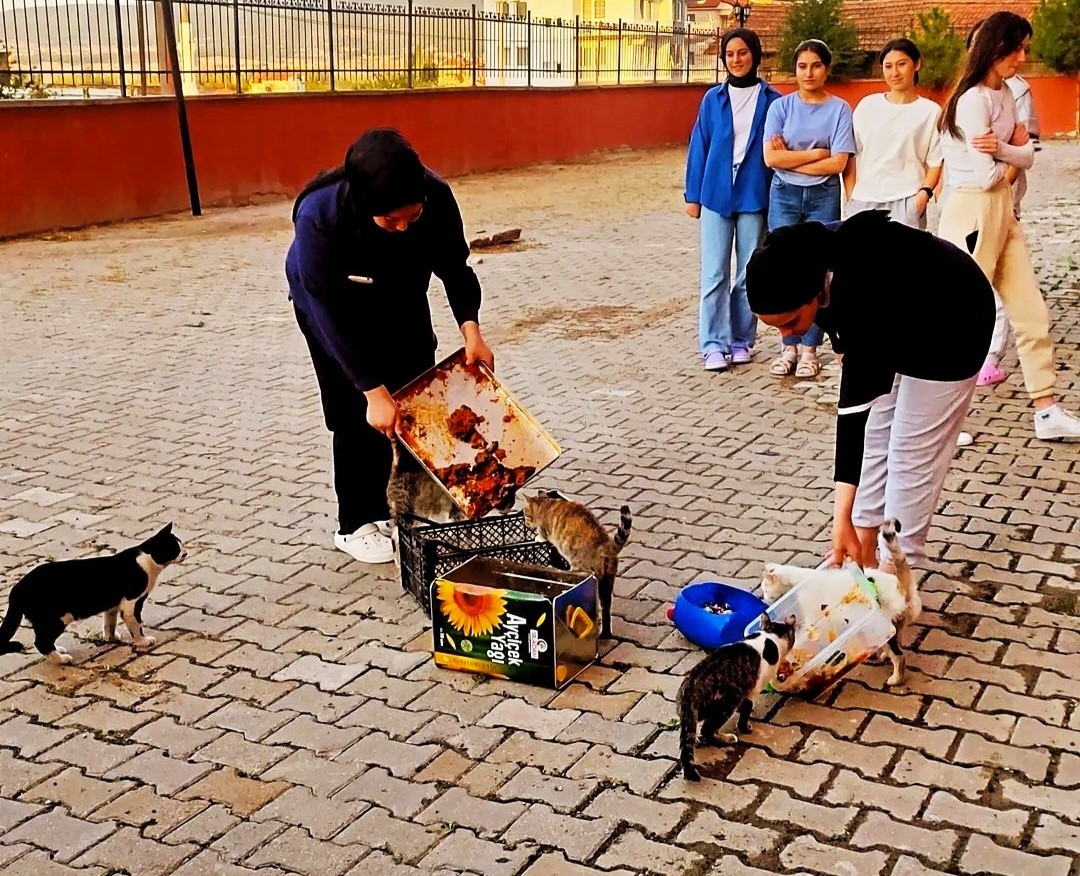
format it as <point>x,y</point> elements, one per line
<point>429,550</point>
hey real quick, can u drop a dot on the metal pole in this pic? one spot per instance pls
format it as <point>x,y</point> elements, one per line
<point>718,54</point>
<point>409,40</point>
<point>474,25</point>
<point>618,57</point>
<point>140,23</point>
<point>528,48</point>
<point>686,50</point>
<point>656,53</point>
<point>236,46</point>
<point>181,107</point>
<point>577,50</point>
<point>330,38</point>
<point>120,48</point>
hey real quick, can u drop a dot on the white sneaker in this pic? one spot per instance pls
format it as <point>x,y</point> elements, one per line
<point>1056,424</point>
<point>386,527</point>
<point>366,545</point>
<point>964,439</point>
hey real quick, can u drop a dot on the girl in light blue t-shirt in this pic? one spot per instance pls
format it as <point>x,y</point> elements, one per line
<point>808,140</point>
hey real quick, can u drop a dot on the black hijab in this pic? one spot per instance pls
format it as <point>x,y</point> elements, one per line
<point>383,172</point>
<point>753,43</point>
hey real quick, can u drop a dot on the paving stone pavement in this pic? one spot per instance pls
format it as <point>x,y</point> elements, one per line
<point>288,721</point>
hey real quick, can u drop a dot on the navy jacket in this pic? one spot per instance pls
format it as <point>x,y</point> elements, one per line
<point>708,163</point>
<point>376,325</point>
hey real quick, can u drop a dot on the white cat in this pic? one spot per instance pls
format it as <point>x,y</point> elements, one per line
<point>897,593</point>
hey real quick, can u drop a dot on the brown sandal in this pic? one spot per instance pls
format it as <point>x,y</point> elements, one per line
<point>784,365</point>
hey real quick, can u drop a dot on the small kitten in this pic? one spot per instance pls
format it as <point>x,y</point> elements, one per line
<point>897,592</point>
<point>582,541</point>
<point>728,679</point>
<point>53,595</point>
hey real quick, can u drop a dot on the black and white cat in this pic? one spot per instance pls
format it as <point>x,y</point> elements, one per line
<point>897,593</point>
<point>53,595</point>
<point>727,680</point>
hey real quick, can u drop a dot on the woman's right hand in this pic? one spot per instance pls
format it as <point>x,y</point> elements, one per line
<point>1020,135</point>
<point>693,211</point>
<point>382,411</point>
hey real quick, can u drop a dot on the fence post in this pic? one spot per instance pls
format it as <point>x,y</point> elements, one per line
<point>330,39</point>
<point>236,46</point>
<point>686,50</point>
<point>474,26</point>
<point>528,48</point>
<point>718,54</point>
<point>577,50</point>
<point>120,48</point>
<point>140,23</point>
<point>618,57</point>
<point>656,52</point>
<point>409,41</point>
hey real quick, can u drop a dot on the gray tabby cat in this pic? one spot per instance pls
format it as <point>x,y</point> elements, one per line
<point>411,490</point>
<point>728,679</point>
<point>582,541</point>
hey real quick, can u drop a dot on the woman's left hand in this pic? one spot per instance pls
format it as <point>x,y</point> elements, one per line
<point>476,348</point>
<point>845,540</point>
<point>987,143</point>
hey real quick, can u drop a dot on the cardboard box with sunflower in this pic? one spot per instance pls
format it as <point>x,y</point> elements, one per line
<point>514,621</point>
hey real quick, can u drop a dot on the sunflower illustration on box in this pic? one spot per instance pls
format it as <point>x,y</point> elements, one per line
<point>520,622</point>
<point>471,610</point>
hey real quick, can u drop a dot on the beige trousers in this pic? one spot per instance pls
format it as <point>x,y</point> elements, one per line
<point>983,224</point>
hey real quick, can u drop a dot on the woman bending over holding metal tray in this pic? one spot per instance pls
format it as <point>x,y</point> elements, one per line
<point>368,237</point>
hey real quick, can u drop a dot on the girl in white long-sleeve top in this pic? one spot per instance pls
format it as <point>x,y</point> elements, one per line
<point>981,140</point>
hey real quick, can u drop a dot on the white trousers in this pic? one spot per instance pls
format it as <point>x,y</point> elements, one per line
<point>910,441</point>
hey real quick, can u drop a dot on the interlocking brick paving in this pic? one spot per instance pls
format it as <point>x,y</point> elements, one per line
<point>288,719</point>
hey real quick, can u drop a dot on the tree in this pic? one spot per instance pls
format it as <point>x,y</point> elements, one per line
<point>15,85</point>
<point>1057,39</point>
<point>821,20</point>
<point>1057,35</point>
<point>942,48</point>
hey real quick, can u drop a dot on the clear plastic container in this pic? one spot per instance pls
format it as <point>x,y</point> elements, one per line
<point>839,624</point>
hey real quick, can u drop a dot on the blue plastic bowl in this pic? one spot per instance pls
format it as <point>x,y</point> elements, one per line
<point>708,630</point>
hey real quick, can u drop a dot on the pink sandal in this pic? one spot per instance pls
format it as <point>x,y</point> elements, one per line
<point>990,375</point>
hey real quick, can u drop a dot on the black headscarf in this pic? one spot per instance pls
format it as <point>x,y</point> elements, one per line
<point>753,43</point>
<point>383,171</point>
<point>788,269</point>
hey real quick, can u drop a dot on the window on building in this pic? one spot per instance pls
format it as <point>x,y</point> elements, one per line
<point>586,10</point>
<point>503,8</point>
<point>599,8</point>
<point>506,58</point>
<point>522,9</point>
<point>523,56</point>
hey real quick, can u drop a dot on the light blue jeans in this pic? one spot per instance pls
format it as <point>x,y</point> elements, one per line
<point>725,319</point>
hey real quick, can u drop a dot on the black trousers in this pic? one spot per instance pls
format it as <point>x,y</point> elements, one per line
<point>362,456</point>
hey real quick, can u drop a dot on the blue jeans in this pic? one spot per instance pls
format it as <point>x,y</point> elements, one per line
<point>725,319</point>
<point>789,205</point>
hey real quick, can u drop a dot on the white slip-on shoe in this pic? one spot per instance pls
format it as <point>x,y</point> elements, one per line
<point>366,545</point>
<point>1056,424</point>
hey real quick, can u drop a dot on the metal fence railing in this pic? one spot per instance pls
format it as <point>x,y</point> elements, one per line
<point>113,48</point>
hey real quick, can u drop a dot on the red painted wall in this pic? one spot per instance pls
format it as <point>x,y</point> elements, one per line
<point>68,164</point>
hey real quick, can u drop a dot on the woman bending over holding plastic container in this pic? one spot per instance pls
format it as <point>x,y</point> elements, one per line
<point>873,284</point>
<point>368,237</point>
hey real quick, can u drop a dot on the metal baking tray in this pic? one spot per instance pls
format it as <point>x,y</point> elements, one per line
<point>478,475</point>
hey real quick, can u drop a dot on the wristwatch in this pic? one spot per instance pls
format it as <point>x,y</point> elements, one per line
<point>929,191</point>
